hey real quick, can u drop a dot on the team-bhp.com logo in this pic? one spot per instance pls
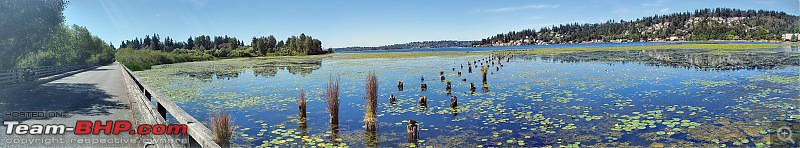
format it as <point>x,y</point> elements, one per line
<point>85,127</point>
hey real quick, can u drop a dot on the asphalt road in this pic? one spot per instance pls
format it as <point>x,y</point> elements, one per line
<point>97,94</point>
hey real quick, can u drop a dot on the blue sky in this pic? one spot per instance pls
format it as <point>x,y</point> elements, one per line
<point>367,22</point>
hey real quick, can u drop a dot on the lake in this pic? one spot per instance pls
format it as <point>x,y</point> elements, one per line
<point>490,48</point>
<point>623,98</point>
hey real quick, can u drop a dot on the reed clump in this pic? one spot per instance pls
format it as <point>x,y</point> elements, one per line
<point>222,126</point>
<point>332,99</point>
<point>371,107</point>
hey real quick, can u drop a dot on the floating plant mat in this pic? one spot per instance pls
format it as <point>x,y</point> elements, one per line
<point>616,98</point>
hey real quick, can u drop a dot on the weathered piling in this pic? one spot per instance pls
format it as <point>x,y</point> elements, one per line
<point>423,102</point>
<point>484,70</point>
<point>442,78</point>
<point>447,86</point>
<point>413,132</point>
<point>472,87</point>
<point>459,73</point>
<point>453,102</point>
<point>424,87</point>
<point>422,79</point>
<point>392,99</point>
<point>399,85</point>
<point>301,105</point>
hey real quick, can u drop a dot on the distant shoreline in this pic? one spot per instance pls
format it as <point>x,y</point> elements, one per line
<point>709,41</point>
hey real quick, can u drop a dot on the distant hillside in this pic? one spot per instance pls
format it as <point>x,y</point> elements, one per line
<point>700,25</point>
<point>423,44</point>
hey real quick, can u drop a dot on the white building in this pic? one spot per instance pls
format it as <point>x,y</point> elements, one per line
<point>788,36</point>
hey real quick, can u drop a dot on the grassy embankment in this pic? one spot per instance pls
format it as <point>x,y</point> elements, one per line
<point>143,59</point>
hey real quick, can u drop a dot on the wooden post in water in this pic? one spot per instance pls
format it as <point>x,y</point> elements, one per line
<point>399,85</point>
<point>453,102</point>
<point>442,77</point>
<point>413,132</point>
<point>392,99</point>
<point>422,79</point>
<point>423,102</point>
<point>301,105</point>
<point>471,87</point>
<point>447,87</point>
<point>424,87</point>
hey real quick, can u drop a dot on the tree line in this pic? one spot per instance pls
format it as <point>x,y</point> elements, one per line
<point>142,53</point>
<point>225,46</point>
<point>34,33</point>
<point>700,25</point>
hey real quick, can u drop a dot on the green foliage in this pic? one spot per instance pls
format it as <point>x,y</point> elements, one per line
<point>702,24</point>
<point>217,47</point>
<point>144,58</point>
<point>794,38</point>
<point>33,34</point>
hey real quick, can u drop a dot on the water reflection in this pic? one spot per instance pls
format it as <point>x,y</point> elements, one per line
<point>699,59</point>
<point>266,68</point>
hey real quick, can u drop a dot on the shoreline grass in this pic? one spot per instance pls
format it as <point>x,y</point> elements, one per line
<point>222,126</point>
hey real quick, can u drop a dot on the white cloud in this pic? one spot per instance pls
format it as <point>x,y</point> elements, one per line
<point>519,8</point>
<point>665,10</point>
<point>651,4</point>
<point>765,2</point>
<point>620,11</point>
<point>658,11</point>
<point>657,3</point>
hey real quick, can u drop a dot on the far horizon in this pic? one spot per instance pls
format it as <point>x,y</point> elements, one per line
<point>363,24</point>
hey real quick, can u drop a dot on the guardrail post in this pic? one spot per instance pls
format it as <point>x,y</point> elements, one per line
<point>161,110</point>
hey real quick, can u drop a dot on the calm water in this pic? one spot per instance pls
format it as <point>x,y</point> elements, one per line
<point>475,49</point>
<point>537,101</point>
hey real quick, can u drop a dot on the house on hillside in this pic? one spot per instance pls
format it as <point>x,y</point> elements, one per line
<point>788,36</point>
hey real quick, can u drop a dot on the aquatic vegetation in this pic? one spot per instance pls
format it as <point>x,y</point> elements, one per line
<point>222,127</point>
<point>332,99</point>
<point>535,100</point>
<point>372,101</point>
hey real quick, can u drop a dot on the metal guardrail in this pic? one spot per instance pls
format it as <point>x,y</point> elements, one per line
<point>18,75</point>
<point>197,133</point>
